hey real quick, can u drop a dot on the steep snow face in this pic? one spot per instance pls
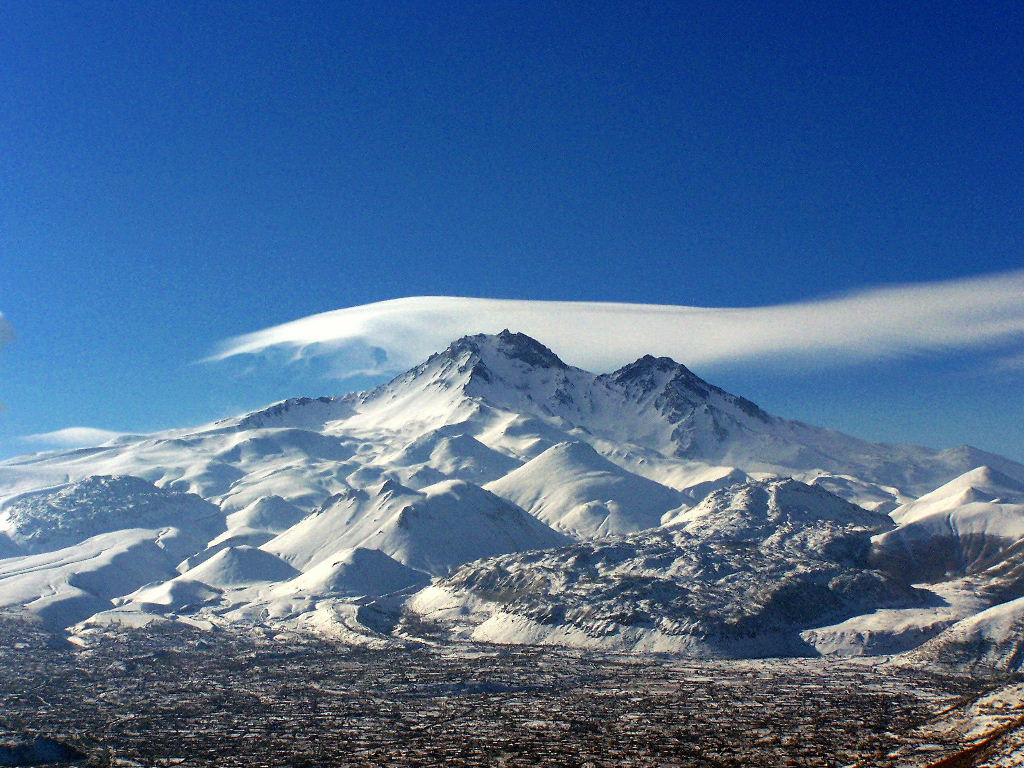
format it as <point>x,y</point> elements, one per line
<point>53,518</point>
<point>432,530</point>
<point>785,558</point>
<point>694,416</point>
<point>575,490</point>
<point>960,528</point>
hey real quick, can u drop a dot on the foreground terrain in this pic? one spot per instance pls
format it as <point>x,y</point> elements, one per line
<point>160,697</point>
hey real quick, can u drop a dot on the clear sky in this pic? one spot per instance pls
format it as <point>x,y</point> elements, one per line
<point>173,174</point>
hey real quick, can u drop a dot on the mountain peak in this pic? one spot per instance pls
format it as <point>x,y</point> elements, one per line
<point>676,389</point>
<point>508,344</point>
<point>649,367</point>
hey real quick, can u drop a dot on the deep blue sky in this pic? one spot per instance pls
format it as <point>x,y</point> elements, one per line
<point>172,174</point>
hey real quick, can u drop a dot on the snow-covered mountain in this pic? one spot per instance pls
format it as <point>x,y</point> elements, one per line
<point>642,508</point>
<point>87,543</point>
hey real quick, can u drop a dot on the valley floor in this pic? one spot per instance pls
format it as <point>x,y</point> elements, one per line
<point>174,697</point>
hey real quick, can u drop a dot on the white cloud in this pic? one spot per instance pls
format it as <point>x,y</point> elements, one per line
<point>73,437</point>
<point>875,323</point>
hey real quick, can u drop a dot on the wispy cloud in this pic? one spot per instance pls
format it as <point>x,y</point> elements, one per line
<point>72,437</point>
<point>966,314</point>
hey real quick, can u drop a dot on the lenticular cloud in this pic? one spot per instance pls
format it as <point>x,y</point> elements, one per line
<point>870,324</point>
<point>73,437</point>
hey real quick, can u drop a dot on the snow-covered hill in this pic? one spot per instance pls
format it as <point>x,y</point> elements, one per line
<point>432,530</point>
<point>574,489</point>
<point>959,528</point>
<point>95,540</point>
<point>52,518</point>
<point>988,642</point>
<point>643,508</point>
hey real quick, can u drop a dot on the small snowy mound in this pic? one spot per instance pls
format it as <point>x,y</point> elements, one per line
<point>178,594</point>
<point>574,489</point>
<point>355,573</point>
<point>457,456</point>
<point>267,513</point>
<point>237,566</point>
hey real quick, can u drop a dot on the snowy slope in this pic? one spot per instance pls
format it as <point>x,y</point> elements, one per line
<point>991,641</point>
<point>959,528</point>
<point>575,490</point>
<point>432,530</point>
<point>234,566</point>
<point>67,585</point>
<point>454,455</point>
<point>53,518</point>
<point>95,540</point>
<point>353,573</point>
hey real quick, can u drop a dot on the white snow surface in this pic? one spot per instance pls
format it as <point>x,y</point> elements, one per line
<point>574,489</point>
<point>741,574</point>
<point>432,530</point>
